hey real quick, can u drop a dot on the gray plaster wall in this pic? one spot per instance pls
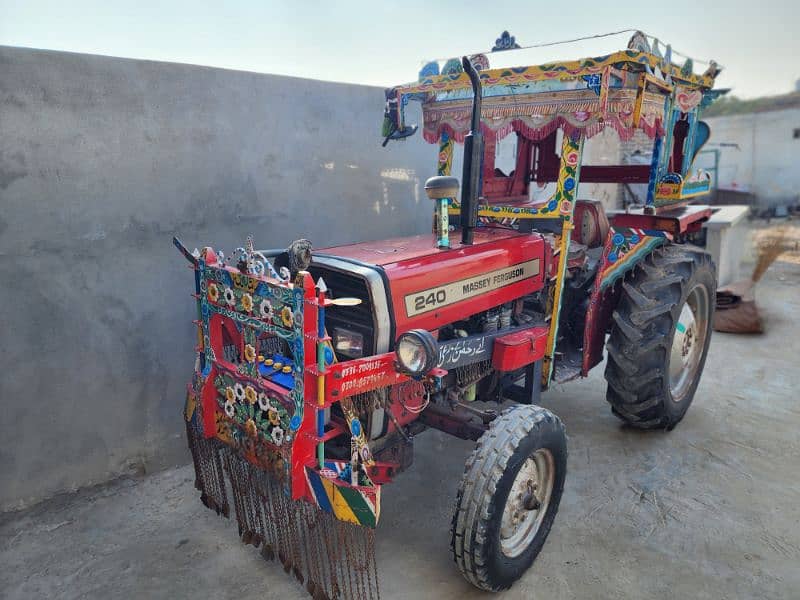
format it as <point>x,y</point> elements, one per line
<point>102,160</point>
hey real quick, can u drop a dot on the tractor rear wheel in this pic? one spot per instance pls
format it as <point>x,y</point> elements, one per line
<point>660,336</point>
<point>509,496</point>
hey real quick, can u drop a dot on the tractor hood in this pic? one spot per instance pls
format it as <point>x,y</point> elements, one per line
<point>410,283</point>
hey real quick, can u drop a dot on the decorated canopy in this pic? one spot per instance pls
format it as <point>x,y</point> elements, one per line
<point>624,90</point>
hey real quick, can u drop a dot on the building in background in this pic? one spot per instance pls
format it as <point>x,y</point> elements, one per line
<point>754,152</point>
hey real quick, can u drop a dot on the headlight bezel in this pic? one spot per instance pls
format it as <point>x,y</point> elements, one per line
<point>423,340</point>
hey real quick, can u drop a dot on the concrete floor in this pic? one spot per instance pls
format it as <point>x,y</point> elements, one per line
<point>710,510</point>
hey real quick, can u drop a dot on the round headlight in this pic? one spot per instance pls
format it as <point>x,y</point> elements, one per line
<point>417,352</point>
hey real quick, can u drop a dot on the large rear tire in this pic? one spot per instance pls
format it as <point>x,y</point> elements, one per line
<point>509,496</point>
<point>660,336</point>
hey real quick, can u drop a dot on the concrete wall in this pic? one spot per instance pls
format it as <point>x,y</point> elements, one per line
<point>766,162</point>
<point>102,160</point>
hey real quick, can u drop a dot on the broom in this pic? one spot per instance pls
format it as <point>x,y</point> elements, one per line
<point>736,306</point>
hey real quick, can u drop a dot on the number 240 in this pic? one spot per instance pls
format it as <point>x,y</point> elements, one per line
<point>431,299</point>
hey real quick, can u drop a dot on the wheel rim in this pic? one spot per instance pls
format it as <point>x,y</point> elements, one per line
<point>527,503</point>
<point>688,343</point>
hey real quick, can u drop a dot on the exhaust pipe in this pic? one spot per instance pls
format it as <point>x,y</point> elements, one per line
<point>473,157</point>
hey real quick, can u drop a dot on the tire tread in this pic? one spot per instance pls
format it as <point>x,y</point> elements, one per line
<point>650,302</point>
<point>482,473</point>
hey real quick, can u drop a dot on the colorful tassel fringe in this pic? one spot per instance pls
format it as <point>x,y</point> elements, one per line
<point>333,559</point>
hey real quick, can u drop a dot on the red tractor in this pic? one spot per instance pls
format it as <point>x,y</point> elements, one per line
<point>315,371</point>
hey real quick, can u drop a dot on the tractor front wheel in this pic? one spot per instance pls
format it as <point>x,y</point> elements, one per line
<point>509,496</point>
<point>660,336</point>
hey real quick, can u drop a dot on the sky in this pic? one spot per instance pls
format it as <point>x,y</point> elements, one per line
<point>385,43</point>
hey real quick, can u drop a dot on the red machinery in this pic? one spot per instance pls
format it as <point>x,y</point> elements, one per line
<point>316,371</point>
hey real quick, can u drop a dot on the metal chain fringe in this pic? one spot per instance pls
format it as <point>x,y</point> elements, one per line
<point>335,560</point>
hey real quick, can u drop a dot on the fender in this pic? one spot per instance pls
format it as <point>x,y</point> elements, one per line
<point>624,248</point>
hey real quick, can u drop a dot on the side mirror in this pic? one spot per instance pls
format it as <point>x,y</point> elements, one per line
<point>393,127</point>
<point>399,134</point>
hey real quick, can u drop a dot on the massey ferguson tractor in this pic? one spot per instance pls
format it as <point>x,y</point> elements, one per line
<point>316,369</point>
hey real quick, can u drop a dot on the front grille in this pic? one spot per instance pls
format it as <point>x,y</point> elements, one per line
<point>355,318</point>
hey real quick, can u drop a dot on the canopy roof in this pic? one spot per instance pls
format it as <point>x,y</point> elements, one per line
<point>625,90</point>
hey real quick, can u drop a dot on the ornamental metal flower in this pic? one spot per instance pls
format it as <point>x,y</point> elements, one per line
<point>263,401</point>
<point>250,394</point>
<point>250,428</point>
<point>230,409</point>
<point>265,308</point>
<point>223,426</point>
<point>230,297</point>
<point>238,390</point>
<point>249,353</point>
<point>213,292</point>
<point>366,454</point>
<point>230,396</point>
<point>247,302</point>
<point>277,435</point>
<point>286,316</point>
<point>273,416</point>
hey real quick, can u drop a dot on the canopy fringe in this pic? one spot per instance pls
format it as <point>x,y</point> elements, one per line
<point>589,128</point>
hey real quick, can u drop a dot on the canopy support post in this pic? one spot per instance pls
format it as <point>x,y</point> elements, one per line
<point>566,190</point>
<point>651,185</point>
<point>445,160</point>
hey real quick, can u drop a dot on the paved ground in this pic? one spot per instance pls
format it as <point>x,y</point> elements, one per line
<point>711,510</point>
